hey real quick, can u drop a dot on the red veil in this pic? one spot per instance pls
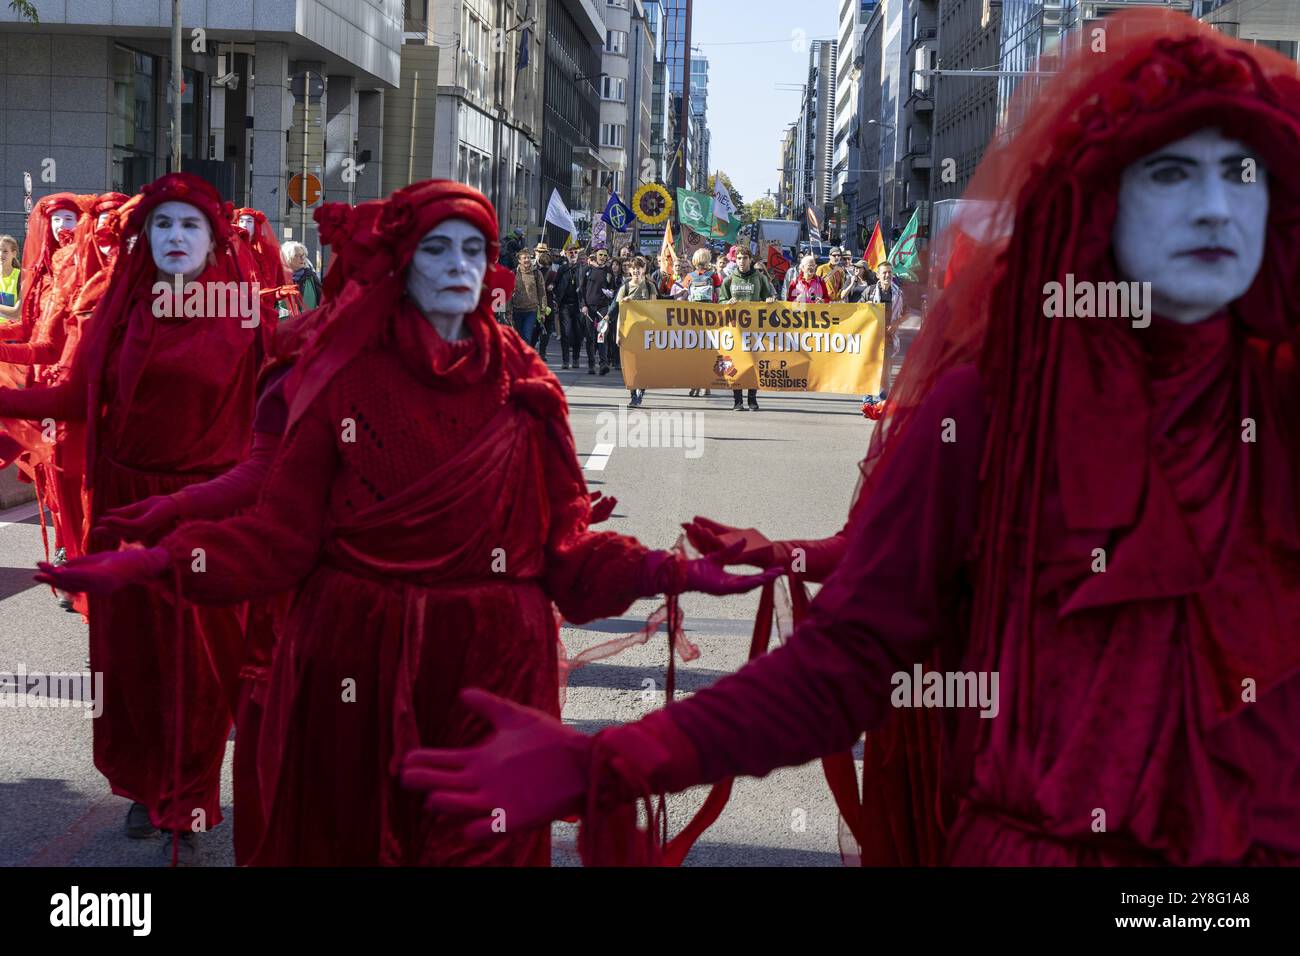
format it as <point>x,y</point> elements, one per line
<point>266,248</point>
<point>1045,204</point>
<point>39,246</point>
<point>134,273</point>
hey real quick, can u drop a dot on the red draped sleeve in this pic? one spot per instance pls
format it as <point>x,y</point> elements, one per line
<point>272,548</point>
<point>894,595</point>
<point>65,402</point>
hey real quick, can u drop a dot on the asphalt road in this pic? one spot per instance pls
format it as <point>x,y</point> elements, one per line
<point>788,469</point>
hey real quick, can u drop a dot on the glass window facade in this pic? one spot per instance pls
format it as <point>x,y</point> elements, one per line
<point>134,126</point>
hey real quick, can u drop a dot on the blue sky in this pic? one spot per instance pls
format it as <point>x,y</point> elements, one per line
<point>751,51</point>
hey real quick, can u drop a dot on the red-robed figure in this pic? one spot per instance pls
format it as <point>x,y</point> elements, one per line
<point>426,506</point>
<point>1084,498</point>
<point>167,397</point>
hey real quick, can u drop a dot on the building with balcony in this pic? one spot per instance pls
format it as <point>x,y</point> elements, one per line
<point>571,161</point>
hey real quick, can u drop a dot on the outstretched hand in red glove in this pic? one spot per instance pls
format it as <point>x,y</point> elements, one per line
<point>103,573</point>
<point>532,769</point>
<point>601,507</point>
<point>141,520</point>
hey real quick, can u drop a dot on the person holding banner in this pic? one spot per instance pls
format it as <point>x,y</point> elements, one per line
<point>745,284</point>
<point>886,292</point>
<point>807,285</point>
<point>1069,503</point>
<point>701,286</point>
<point>637,288</point>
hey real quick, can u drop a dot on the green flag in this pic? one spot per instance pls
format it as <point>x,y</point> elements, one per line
<point>695,211</point>
<point>905,257</point>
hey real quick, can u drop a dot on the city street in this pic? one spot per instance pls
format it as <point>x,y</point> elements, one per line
<point>789,470</point>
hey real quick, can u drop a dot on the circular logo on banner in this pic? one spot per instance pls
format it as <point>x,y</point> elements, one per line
<point>618,218</point>
<point>652,204</point>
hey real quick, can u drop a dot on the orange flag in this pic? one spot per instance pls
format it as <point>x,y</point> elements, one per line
<point>667,255</point>
<point>875,253</point>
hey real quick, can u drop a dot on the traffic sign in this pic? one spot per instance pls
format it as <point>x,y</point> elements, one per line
<point>296,189</point>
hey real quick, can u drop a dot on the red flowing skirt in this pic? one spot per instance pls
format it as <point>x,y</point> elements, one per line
<point>133,642</point>
<point>368,669</point>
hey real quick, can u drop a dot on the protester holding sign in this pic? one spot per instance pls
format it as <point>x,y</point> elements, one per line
<point>637,288</point>
<point>807,285</point>
<point>702,286</point>
<point>746,284</point>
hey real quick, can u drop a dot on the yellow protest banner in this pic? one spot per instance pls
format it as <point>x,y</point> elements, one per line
<point>775,346</point>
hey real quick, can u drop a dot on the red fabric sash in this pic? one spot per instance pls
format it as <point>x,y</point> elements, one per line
<point>445,528</point>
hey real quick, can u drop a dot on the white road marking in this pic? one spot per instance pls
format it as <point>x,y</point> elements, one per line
<point>599,458</point>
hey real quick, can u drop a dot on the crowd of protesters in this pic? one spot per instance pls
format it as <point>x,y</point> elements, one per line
<point>576,296</point>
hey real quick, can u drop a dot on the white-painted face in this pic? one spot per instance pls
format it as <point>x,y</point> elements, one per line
<point>1192,219</point>
<point>103,218</point>
<point>248,224</point>
<point>446,273</point>
<point>181,238</point>
<point>62,220</point>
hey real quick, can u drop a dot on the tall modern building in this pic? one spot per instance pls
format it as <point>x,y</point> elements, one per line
<point>615,84</point>
<point>641,162</point>
<point>488,125</point>
<point>785,200</point>
<point>87,102</point>
<point>677,66</point>
<point>815,134</point>
<point>660,100</point>
<point>571,161</point>
<point>700,109</point>
<point>847,164</point>
<point>965,107</point>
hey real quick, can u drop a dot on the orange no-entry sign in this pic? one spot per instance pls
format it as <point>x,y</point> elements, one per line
<point>296,189</point>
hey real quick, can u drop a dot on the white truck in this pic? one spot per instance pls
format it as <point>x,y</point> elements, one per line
<point>783,232</point>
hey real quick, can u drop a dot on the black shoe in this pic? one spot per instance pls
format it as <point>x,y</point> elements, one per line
<point>566,365</point>
<point>634,402</point>
<point>693,393</point>
<point>738,407</point>
<point>187,851</point>
<point>138,824</point>
<point>604,370</point>
<point>753,405</point>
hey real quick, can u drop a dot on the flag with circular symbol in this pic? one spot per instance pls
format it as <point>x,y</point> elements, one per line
<point>617,213</point>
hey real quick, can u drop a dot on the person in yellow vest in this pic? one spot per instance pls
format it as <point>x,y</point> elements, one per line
<point>9,274</point>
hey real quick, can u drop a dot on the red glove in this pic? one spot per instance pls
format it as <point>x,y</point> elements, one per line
<point>601,507</point>
<point>103,573</point>
<point>669,573</point>
<point>752,546</point>
<point>532,768</point>
<point>814,559</point>
<point>140,521</point>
